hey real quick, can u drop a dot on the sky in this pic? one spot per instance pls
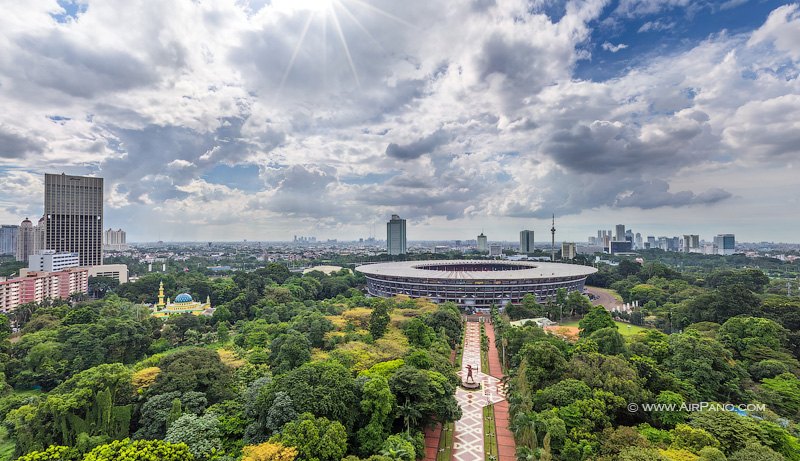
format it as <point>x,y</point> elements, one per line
<point>261,120</point>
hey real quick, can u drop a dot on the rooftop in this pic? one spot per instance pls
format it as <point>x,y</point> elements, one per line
<point>484,269</point>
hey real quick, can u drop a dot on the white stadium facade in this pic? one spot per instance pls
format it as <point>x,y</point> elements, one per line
<point>473,283</point>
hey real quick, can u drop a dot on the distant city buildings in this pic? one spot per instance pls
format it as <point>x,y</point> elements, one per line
<point>483,243</point>
<point>619,236</point>
<point>73,209</point>
<point>495,249</point>
<point>526,241</point>
<point>115,240</point>
<point>691,243</point>
<point>396,236</point>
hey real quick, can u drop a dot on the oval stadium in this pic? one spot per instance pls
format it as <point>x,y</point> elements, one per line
<point>473,283</point>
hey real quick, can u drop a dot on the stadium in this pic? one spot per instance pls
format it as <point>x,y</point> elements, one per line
<point>473,283</point>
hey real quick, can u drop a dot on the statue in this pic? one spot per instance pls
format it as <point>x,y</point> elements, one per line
<point>469,374</point>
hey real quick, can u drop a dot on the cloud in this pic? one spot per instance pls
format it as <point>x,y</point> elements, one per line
<point>415,149</point>
<point>15,145</point>
<point>613,48</point>
<point>656,26</point>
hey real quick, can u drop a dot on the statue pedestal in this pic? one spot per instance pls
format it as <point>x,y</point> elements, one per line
<point>471,386</point>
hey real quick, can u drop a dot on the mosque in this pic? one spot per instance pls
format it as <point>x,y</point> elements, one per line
<point>184,304</point>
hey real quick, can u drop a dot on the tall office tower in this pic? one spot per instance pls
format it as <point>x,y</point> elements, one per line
<point>568,250</point>
<point>396,236</point>
<point>73,210</point>
<point>620,235</point>
<point>725,243</point>
<point>629,235</point>
<point>639,242</point>
<point>553,240</point>
<point>600,235</point>
<point>483,243</point>
<point>38,236</point>
<point>526,241</point>
<point>652,241</point>
<point>25,240</point>
<point>8,239</point>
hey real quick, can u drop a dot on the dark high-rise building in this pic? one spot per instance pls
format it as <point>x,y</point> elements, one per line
<point>526,241</point>
<point>396,236</point>
<point>73,209</point>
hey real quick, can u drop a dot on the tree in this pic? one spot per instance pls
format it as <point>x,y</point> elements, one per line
<point>269,451</point>
<point>377,401</point>
<point>419,334</point>
<point>323,388</point>
<point>399,448</point>
<point>316,439</point>
<point>379,320</point>
<point>756,452</point>
<point>673,416</point>
<point>706,364</point>
<point>281,412</point>
<point>692,439</point>
<point>140,450</point>
<point>289,351</point>
<point>751,337</point>
<point>545,363</point>
<point>52,453</point>
<point>577,304</point>
<point>160,409</point>
<point>782,393</point>
<point>447,319</point>
<point>596,319</point>
<point>200,433</point>
<point>194,369</point>
<point>609,341</point>
<point>423,396</point>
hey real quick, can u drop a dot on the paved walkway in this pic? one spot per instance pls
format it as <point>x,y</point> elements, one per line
<point>506,448</point>
<point>468,434</point>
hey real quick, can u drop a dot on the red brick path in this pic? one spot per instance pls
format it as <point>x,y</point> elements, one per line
<point>432,442</point>
<point>506,447</point>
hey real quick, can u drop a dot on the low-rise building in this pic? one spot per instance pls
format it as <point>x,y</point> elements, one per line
<point>38,286</point>
<point>114,271</point>
<point>52,261</point>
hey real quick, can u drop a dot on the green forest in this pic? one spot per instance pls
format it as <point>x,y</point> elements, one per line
<point>307,368</point>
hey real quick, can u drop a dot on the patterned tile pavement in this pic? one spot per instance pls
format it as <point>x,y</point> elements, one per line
<point>468,437</point>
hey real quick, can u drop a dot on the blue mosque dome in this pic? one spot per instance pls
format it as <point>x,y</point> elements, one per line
<point>183,298</point>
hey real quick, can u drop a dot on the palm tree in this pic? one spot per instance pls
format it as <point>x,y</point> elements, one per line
<point>409,413</point>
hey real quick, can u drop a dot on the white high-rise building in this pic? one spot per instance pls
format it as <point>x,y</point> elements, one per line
<point>526,241</point>
<point>73,209</point>
<point>483,243</point>
<point>396,236</point>
<point>51,261</point>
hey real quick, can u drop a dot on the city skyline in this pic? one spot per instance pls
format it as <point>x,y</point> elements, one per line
<point>326,117</point>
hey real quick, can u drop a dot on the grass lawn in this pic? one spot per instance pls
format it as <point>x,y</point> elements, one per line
<point>445,452</point>
<point>625,329</point>
<point>489,434</point>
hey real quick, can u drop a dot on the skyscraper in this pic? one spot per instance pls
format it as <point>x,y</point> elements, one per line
<point>483,243</point>
<point>725,243</point>
<point>8,239</point>
<point>73,209</point>
<point>526,241</point>
<point>620,235</point>
<point>396,236</point>
<point>25,240</point>
<point>115,240</point>
<point>691,242</point>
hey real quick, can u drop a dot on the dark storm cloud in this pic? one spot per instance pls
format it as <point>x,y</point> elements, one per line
<point>611,147</point>
<point>418,148</point>
<point>16,145</point>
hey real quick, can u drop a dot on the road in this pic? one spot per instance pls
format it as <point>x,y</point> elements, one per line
<point>604,298</point>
